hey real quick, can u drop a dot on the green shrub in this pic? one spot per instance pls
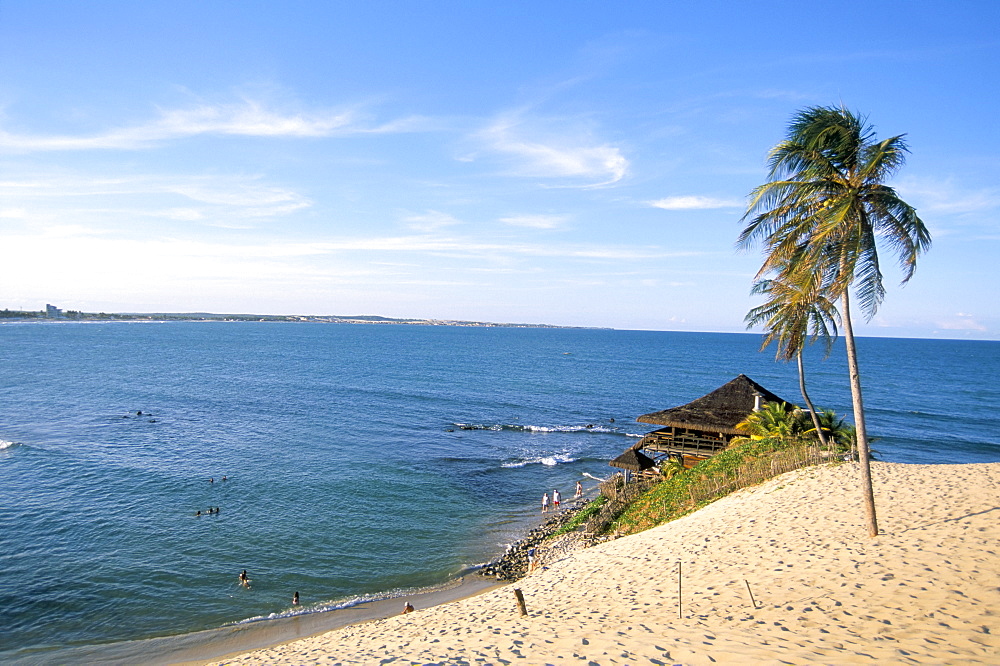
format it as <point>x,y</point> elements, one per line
<point>693,488</point>
<point>582,516</point>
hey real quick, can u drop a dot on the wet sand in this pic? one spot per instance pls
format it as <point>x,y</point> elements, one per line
<point>924,591</point>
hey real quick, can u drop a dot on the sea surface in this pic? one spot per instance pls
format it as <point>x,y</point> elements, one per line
<point>360,460</point>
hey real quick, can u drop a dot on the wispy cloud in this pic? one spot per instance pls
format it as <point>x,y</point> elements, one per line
<point>694,203</point>
<point>535,221</point>
<point>246,118</point>
<point>961,322</point>
<point>214,198</point>
<point>432,220</point>
<point>943,196</point>
<point>555,155</point>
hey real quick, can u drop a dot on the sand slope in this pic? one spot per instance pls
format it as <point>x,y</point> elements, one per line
<point>926,591</point>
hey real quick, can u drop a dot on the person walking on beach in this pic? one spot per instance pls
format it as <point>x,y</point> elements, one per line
<point>545,502</point>
<point>556,498</point>
<point>579,490</point>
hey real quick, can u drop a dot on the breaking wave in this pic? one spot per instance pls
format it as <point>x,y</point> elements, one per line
<point>501,427</point>
<point>548,461</point>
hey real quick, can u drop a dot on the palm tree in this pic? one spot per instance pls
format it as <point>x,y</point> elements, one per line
<point>794,314</point>
<point>841,435</point>
<point>774,420</point>
<point>824,211</point>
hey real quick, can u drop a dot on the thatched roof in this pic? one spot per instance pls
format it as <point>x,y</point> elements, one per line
<point>634,461</point>
<point>718,411</point>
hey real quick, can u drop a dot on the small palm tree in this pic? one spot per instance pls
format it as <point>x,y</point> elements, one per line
<point>795,314</point>
<point>840,434</point>
<point>774,420</point>
<point>671,468</point>
<point>823,211</point>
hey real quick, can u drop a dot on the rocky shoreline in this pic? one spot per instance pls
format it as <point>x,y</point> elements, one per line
<point>513,564</point>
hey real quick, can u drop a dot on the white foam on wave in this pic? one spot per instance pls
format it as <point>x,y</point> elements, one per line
<point>517,427</point>
<point>4,444</point>
<point>548,461</point>
<point>350,602</point>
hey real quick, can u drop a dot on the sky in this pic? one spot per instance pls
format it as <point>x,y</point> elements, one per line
<point>561,162</point>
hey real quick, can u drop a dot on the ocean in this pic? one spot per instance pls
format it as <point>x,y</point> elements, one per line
<point>352,462</point>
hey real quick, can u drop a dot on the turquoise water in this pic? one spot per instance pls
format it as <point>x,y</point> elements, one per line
<point>359,459</point>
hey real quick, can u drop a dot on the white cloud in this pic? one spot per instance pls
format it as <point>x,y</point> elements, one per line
<point>556,155</point>
<point>247,118</point>
<point>961,322</point>
<point>215,199</point>
<point>535,221</point>
<point>694,203</point>
<point>432,220</point>
<point>943,196</point>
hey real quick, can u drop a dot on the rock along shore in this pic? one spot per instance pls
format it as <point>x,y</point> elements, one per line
<point>513,564</point>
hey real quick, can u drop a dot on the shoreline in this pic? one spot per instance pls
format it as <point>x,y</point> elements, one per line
<point>822,591</point>
<point>211,645</point>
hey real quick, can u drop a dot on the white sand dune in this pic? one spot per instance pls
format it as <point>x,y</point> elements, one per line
<point>926,591</point>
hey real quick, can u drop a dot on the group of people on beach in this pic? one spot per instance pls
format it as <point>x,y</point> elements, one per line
<point>557,498</point>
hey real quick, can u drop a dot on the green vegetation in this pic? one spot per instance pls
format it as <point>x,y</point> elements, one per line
<point>582,517</point>
<point>746,463</point>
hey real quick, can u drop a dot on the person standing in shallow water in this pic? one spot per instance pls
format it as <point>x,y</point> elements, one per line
<point>545,502</point>
<point>579,490</point>
<point>556,499</point>
<point>295,599</point>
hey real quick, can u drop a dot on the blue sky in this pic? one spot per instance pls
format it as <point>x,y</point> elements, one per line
<point>571,162</point>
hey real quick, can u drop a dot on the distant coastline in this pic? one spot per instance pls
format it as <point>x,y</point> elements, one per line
<point>75,315</point>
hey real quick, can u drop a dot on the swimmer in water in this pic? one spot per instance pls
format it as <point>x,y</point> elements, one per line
<point>244,579</point>
<point>295,599</point>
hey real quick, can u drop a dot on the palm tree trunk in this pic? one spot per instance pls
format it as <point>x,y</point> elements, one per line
<point>809,404</point>
<point>867,493</point>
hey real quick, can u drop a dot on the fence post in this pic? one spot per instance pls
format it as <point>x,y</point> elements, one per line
<point>520,601</point>
<point>680,614</point>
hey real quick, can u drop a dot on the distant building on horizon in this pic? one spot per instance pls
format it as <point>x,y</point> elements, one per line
<point>52,311</point>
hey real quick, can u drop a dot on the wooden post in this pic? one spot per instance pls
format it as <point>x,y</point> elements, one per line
<point>752,600</point>
<point>680,615</point>
<point>520,601</point>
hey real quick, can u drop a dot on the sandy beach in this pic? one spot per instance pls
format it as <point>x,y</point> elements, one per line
<point>925,591</point>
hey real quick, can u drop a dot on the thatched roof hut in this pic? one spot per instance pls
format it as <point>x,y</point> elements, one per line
<point>705,426</point>
<point>634,461</point>
<point>718,411</point>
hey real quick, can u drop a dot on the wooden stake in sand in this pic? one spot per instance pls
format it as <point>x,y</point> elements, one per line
<point>520,601</point>
<point>679,614</point>
<point>752,600</point>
